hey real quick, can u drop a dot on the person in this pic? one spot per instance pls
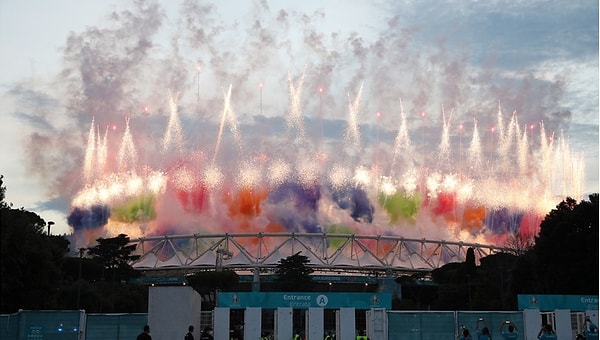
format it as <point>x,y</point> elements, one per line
<point>512,333</point>
<point>206,334</point>
<point>362,335</point>
<point>546,333</point>
<point>484,334</point>
<point>590,330</point>
<point>237,333</point>
<point>189,335</point>
<point>145,335</point>
<point>264,336</point>
<point>297,335</point>
<point>464,333</point>
<point>329,336</point>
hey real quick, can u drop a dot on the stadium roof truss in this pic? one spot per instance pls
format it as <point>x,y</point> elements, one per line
<point>326,253</point>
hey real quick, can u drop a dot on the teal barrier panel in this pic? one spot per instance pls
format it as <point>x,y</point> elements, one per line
<point>115,326</point>
<point>41,325</point>
<point>9,327</point>
<point>64,325</point>
<point>420,325</point>
<point>493,320</point>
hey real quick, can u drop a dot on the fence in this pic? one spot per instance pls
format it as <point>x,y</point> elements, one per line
<point>424,325</point>
<point>76,325</point>
<point>70,325</point>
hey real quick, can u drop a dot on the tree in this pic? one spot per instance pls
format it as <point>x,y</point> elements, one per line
<point>30,260</point>
<point>566,249</point>
<point>457,283</point>
<point>35,274</point>
<point>497,288</point>
<point>293,274</point>
<point>454,285</point>
<point>470,265</point>
<point>208,283</point>
<point>2,193</point>
<point>519,244</point>
<point>114,254</point>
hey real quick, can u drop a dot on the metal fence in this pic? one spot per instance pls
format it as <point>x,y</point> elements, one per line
<point>77,325</point>
<point>435,325</point>
<point>70,325</point>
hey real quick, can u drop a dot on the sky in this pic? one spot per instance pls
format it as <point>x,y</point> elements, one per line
<point>69,64</point>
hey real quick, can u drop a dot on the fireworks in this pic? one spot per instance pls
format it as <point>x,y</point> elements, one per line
<point>469,190</point>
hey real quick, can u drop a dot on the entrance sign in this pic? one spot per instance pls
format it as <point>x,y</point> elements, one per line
<point>301,300</point>
<point>552,302</point>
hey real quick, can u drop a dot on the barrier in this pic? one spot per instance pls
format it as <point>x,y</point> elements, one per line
<point>70,325</point>
<point>381,324</point>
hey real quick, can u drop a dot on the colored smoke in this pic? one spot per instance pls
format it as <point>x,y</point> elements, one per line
<point>302,190</point>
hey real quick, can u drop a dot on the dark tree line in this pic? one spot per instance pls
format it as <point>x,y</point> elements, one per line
<point>37,274</point>
<point>562,260</point>
<point>565,255</point>
<point>29,260</point>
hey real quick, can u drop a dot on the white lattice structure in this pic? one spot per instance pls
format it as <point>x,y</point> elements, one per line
<point>326,252</point>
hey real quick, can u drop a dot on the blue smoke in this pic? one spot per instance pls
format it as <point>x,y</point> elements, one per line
<point>502,221</point>
<point>92,218</point>
<point>303,201</point>
<point>354,199</point>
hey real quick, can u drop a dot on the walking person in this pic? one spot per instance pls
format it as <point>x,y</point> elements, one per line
<point>362,335</point>
<point>190,334</point>
<point>546,333</point>
<point>464,334</point>
<point>238,332</point>
<point>206,334</point>
<point>145,335</point>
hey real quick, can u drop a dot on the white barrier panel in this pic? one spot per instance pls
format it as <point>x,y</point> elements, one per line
<point>533,323</point>
<point>347,324</point>
<point>252,322</point>
<point>171,310</point>
<point>315,329</point>
<point>562,318</point>
<point>284,323</point>
<point>377,324</point>
<point>221,320</point>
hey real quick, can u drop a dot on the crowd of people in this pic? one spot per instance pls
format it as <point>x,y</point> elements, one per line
<point>508,331</point>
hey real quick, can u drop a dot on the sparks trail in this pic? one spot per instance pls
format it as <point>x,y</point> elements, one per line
<point>504,187</point>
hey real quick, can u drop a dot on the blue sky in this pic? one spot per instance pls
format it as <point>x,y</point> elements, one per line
<point>65,62</point>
